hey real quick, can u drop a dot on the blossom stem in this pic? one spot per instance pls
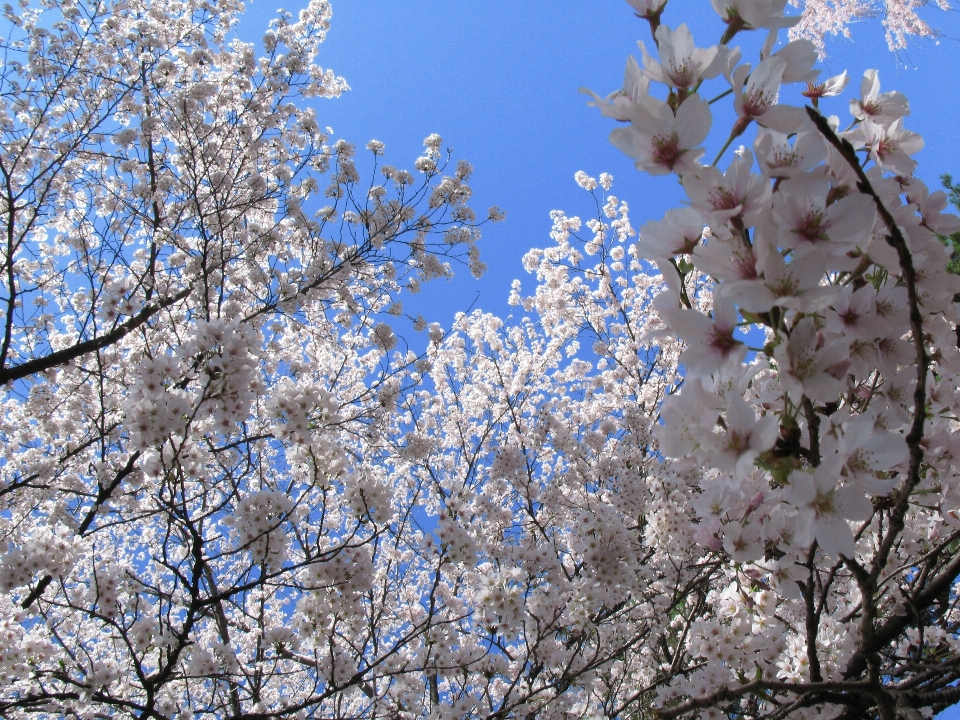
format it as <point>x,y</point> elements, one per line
<point>722,95</point>
<point>723,149</point>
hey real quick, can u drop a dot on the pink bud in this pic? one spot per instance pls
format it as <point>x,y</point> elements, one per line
<point>755,502</point>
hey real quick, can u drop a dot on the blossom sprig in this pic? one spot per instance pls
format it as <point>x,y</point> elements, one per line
<point>809,473</point>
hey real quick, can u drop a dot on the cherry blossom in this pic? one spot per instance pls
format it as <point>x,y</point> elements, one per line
<point>810,365</point>
<point>710,342</point>
<point>753,15</point>
<point>880,108</point>
<point>824,509</point>
<point>756,94</point>
<point>679,232</point>
<point>900,20</point>
<point>719,484</point>
<point>664,142</point>
<point>831,87</point>
<point>890,147</point>
<point>682,65</point>
<point>735,194</point>
<point>778,158</point>
<point>743,439</point>
<point>806,223</point>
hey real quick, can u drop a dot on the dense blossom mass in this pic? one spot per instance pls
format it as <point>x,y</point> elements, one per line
<point>709,469</point>
<point>900,19</point>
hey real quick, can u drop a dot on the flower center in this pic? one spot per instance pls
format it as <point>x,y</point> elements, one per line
<point>665,151</point>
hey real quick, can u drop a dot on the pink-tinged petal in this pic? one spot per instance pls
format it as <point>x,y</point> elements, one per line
<point>850,220</point>
<point>854,505</point>
<point>628,141</point>
<point>782,118</point>
<point>835,537</point>
<point>679,232</point>
<point>693,121</point>
<point>828,88</point>
<point>800,56</point>
<point>762,89</point>
<point>870,84</point>
<point>755,297</point>
<point>728,262</point>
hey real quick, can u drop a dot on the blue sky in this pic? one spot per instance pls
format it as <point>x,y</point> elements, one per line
<point>499,79</point>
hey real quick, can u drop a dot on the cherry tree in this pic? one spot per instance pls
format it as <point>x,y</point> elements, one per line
<point>820,18</point>
<point>900,19</point>
<point>196,376</point>
<point>707,468</point>
<point>815,428</point>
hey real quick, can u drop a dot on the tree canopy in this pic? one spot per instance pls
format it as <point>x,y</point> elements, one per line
<point>710,468</point>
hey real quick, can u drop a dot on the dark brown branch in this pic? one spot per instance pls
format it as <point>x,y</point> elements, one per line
<point>103,494</point>
<point>725,694</point>
<point>62,357</point>
<point>871,641</point>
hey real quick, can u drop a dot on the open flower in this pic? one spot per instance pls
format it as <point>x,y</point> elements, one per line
<point>688,418</point>
<point>854,315</point>
<point>823,509</point>
<point>648,8</point>
<point>742,542</point>
<point>805,219</point>
<point>737,193</point>
<point>779,159</point>
<point>794,286</point>
<point>682,64</point>
<point>662,142</point>
<point>710,342</point>
<point>865,452</point>
<point>931,205</point>
<point>828,88</point>
<point>679,232</point>
<point>811,366</point>
<point>730,261</point>
<point>800,56</point>
<point>890,145</point>
<point>631,101</point>
<point>883,108</point>
<point>754,14</point>
<point>744,438</point>
<point>756,93</point>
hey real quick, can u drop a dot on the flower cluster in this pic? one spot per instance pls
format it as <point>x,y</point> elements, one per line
<point>707,469</point>
<point>806,419</point>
